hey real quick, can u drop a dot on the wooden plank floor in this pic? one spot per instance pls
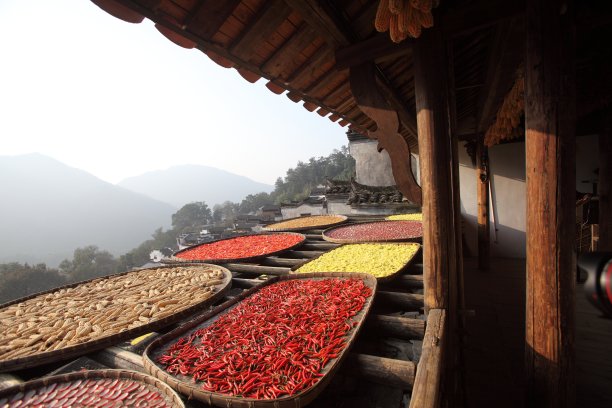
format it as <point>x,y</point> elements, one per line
<point>495,340</point>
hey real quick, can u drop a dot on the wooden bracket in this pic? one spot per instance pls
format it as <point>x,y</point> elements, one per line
<point>372,102</point>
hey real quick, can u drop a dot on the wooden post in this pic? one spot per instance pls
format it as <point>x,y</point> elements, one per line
<point>431,92</point>
<point>436,161</point>
<point>482,183</point>
<point>550,167</point>
<point>604,187</point>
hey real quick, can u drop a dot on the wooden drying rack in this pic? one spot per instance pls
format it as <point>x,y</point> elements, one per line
<point>373,369</point>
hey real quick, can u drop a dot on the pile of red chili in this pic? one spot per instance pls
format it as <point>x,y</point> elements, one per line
<point>377,231</point>
<point>241,247</point>
<point>275,342</point>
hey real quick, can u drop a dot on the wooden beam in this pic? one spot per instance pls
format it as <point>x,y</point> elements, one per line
<point>499,75</point>
<point>372,102</point>
<point>339,34</point>
<point>274,261</point>
<point>604,187</point>
<point>407,118</point>
<point>482,194</point>
<point>551,186</point>
<point>456,323</point>
<point>115,357</point>
<point>396,326</point>
<point>209,17</point>
<point>318,17</point>
<point>407,301</point>
<point>381,370</point>
<point>426,392</point>
<point>256,269</point>
<point>271,15</point>
<point>286,53</point>
<point>376,48</point>
<point>435,157</point>
<point>477,15</point>
<point>397,373</point>
<point>310,64</point>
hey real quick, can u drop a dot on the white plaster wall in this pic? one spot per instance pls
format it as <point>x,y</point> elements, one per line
<point>292,212</point>
<point>508,194</point>
<point>507,205</point>
<point>371,167</point>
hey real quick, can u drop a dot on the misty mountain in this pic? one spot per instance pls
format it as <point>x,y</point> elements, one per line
<point>180,185</point>
<point>49,209</point>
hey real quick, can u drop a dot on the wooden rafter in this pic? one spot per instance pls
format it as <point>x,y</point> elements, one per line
<point>265,22</point>
<point>334,28</point>
<point>376,48</point>
<point>287,52</point>
<point>209,17</point>
<point>218,51</point>
<point>320,18</point>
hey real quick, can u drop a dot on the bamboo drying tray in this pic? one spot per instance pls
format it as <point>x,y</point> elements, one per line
<point>406,217</point>
<point>390,277</point>
<point>176,260</point>
<point>340,219</point>
<point>117,335</point>
<point>153,383</point>
<point>326,237</point>
<point>185,386</point>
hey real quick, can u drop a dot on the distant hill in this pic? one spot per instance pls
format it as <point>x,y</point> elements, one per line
<point>180,185</point>
<point>48,209</point>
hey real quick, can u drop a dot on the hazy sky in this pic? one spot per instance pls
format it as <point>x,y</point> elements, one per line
<point>118,99</point>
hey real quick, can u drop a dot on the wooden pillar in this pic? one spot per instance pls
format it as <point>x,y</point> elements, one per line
<point>482,188</point>
<point>550,167</point>
<point>604,187</point>
<point>431,93</point>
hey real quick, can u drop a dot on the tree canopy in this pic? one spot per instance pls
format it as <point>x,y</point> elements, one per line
<point>191,216</point>
<point>17,280</point>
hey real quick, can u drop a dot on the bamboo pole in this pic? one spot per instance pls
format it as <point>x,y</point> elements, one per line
<point>482,183</point>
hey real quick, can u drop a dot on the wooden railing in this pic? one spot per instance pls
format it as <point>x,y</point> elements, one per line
<point>427,384</point>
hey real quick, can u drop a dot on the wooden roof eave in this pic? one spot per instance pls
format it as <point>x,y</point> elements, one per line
<point>182,36</point>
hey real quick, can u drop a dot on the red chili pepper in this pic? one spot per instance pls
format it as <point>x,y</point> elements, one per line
<point>275,342</point>
<point>241,247</point>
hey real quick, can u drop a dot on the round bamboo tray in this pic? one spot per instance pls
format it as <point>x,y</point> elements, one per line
<point>339,220</point>
<point>176,260</point>
<point>115,336</point>
<point>383,279</point>
<point>185,385</point>
<point>405,217</point>
<point>364,238</point>
<point>21,390</point>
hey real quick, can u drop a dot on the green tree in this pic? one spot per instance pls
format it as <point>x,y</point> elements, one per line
<point>191,216</point>
<point>17,280</point>
<point>254,202</point>
<point>87,263</point>
<point>227,212</point>
<point>300,180</point>
<point>140,255</point>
